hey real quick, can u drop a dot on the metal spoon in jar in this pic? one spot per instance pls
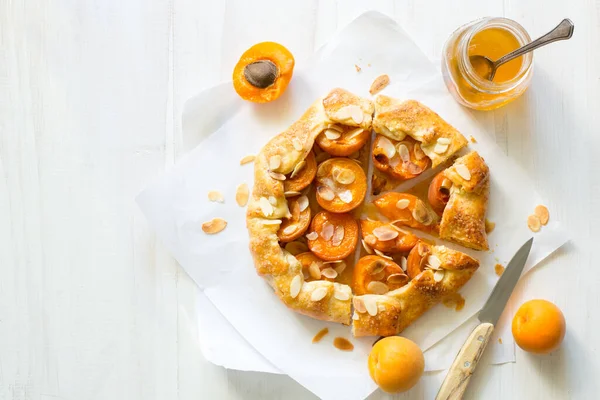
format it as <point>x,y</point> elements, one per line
<point>563,31</point>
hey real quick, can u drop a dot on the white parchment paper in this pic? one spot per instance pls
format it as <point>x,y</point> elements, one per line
<point>177,204</point>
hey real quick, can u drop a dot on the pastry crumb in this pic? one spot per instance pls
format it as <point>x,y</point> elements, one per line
<point>379,84</point>
<point>499,269</point>
<point>489,226</point>
<point>472,139</point>
<point>534,223</point>
<point>320,335</point>
<point>542,213</point>
<point>358,69</point>
<point>369,64</point>
<point>500,340</point>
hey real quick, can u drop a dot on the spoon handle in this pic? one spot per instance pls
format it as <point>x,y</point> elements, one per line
<point>563,31</point>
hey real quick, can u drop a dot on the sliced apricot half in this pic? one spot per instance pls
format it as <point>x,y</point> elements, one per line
<point>341,185</point>
<point>377,275</point>
<point>402,160</point>
<point>408,210</point>
<point>386,237</point>
<point>293,227</point>
<point>332,236</point>
<point>341,141</point>
<point>303,174</point>
<point>439,193</point>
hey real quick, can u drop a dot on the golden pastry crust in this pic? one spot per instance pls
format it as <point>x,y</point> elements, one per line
<point>399,308</point>
<point>463,220</point>
<point>396,119</point>
<point>319,299</point>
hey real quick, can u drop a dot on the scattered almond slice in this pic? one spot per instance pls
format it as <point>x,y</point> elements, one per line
<point>542,212</point>
<point>272,222</point>
<point>379,84</point>
<point>325,193</point>
<point>444,140</point>
<point>419,153</point>
<point>299,167</point>
<point>404,263</point>
<point>332,134</point>
<point>297,144</point>
<point>370,305</point>
<point>265,206</point>
<point>434,262</point>
<point>357,68</point>
<point>295,286</point>
<point>312,236</point>
<point>344,176</point>
<point>338,236</point>
<point>463,171</point>
<point>440,148</point>
<point>213,226</point>
<point>403,152</point>
<point>318,294</point>
<point>274,162</point>
<point>303,203</point>
<point>397,278</point>
<point>489,226</point>
<point>367,248</point>
<point>329,273</point>
<point>376,287</point>
<point>345,196</point>
<point>380,266</point>
<point>534,223</point>
<point>216,196</point>
<point>420,214</point>
<point>385,233</point>
<point>327,231</point>
<point>359,305</point>
<point>439,275</point>
<point>382,254</point>
<point>402,204</point>
<point>247,159</point>
<point>241,195</point>
<point>348,136</point>
<point>341,295</point>
<point>341,266</point>
<point>277,176</point>
<point>387,146</point>
<point>273,200</point>
<point>315,270</point>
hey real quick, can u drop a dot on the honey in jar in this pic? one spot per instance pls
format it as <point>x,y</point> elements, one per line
<point>493,38</point>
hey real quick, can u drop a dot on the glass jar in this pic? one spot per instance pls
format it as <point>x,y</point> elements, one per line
<point>470,89</point>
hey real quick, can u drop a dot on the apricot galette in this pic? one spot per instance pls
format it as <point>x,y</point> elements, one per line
<point>334,240</point>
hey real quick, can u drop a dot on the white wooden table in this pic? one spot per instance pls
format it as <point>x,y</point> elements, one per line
<point>91,94</point>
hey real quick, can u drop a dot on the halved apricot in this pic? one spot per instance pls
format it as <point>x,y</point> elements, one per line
<point>439,193</point>
<point>402,160</point>
<point>377,275</point>
<point>406,209</point>
<point>341,185</point>
<point>332,236</point>
<point>300,179</point>
<point>417,258</point>
<point>341,141</point>
<point>313,267</point>
<point>386,237</point>
<point>295,226</point>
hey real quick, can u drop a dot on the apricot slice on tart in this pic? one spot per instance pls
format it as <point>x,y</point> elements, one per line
<point>295,226</point>
<point>302,175</point>
<point>377,275</point>
<point>332,236</point>
<point>341,185</point>
<point>439,193</point>
<point>408,210</point>
<point>417,259</point>
<point>342,141</point>
<point>402,160</point>
<point>386,237</point>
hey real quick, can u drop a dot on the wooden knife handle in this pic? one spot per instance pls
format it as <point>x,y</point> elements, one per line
<point>464,364</point>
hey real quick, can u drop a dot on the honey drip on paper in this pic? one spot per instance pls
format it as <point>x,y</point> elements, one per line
<point>320,335</point>
<point>343,344</point>
<point>455,301</point>
<point>499,268</point>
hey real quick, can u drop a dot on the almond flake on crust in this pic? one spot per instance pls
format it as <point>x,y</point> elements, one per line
<point>463,171</point>
<point>318,294</point>
<point>295,286</point>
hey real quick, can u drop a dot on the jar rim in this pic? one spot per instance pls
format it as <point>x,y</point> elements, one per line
<point>469,73</point>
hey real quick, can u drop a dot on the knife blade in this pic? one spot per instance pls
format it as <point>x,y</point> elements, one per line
<point>459,375</point>
<point>496,303</point>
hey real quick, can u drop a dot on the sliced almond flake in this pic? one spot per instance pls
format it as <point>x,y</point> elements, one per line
<point>338,236</point>
<point>440,148</point>
<point>241,195</point>
<point>382,254</point>
<point>347,112</point>
<point>329,273</point>
<point>377,287</point>
<point>295,286</point>
<point>325,193</point>
<point>403,152</point>
<point>341,295</point>
<point>542,212</point>
<point>350,135</point>
<point>305,274</point>
<point>345,196</point>
<point>274,162</point>
<point>291,193</point>
<point>379,84</point>
<point>439,275</point>
<point>403,263</point>
<point>400,230</point>
<point>341,266</point>
<point>419,154</point>
<point>265,206</point>
<point>297,144</point>
<point>377,268</point>
<point>332,135</point>
<point>385,233</point>
<point>277,176</point>
<point>290,229</point>
<point>387,147</point>
<point>299,167</point>
<point>272,222</point>
<point>359,305</point>
<point>413,168</point>
<point>213,226</point>
<point>356,114</point>
<point>534,223</point>
<point>422,249</point>
<point>402,204</point>
<point>295,248</point>
<point>327,231</point>
<point>303,203</point>
<point>273,200</point>
<point>434,262</point>
<point>370,305</point>
<point>312,236</point>
<point>395,279</point>
<point>367,248</point>
<point>315,270</point>
<point>463,171</point>
<point>216,196</point>
<point>318,294</point>
<point>355,317</point>
<point>247,159</point>
<point>444,140</point>
<point>344,176</point>
<point>292,260</point>
<point>421,215</point>
<point>446,183</point>
<point>335,127</point>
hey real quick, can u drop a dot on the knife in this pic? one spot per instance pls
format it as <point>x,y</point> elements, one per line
<point>466,360</point>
